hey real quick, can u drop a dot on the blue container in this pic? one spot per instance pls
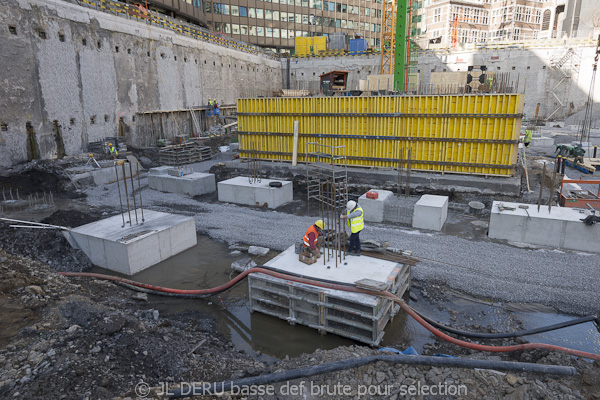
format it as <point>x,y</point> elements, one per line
<point>358,46</point>
<point>217,111</point>
<point>210,112</point>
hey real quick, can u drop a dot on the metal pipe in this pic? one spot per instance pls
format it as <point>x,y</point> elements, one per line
<point>120,199</point>
<point>132,191</point>
<point>126,193</point>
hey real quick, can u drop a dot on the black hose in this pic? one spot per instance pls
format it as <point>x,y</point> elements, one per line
<point>507,335</point>
<point>221,387</point>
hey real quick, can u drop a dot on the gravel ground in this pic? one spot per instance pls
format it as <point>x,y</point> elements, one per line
<point>564,280</point>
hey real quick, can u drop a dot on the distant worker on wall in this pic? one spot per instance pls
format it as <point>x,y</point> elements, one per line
<point>313,238</point>
<point>527,139</point>
<point>210,102</point>
<point>356,222</point>
<point>113,151</point>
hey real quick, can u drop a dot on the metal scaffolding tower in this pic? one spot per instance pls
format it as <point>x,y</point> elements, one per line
<point>326,182</point>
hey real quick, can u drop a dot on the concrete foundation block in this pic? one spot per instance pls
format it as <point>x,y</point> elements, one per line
<point>102,176</point>
<point>430,212</point>
<point>358,316</point>
<point>164,170</point>
<point>560,228</point>
<point>542,142</point>
<point>373,208</point>
<point>194,184</point>
<point>240,191</point>
<point>130,249</point>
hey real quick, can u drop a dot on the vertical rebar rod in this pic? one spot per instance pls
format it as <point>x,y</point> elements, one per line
<point>551,190</point>
<point>120,199</point>
<point>334,246</point>
<point>542,187</point>
<point>407,191</point>
<point>137,167</point>
<point>126,193</point>
<point>400,156</point>
<point>132,192</point>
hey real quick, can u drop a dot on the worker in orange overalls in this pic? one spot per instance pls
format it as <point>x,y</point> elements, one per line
<point>313,238</point>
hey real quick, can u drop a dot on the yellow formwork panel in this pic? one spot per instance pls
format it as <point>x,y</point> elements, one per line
<point>471,134</point>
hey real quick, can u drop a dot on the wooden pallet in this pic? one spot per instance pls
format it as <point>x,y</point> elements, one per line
<point>585,167</point>
<point>187,153</point>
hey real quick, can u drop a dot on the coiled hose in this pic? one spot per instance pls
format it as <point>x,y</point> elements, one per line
<point>338,286</point>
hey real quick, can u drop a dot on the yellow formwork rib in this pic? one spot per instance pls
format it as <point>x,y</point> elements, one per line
<point>470,134</point>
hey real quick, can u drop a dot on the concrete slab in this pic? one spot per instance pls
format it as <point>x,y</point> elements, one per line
<point>162,170</point>
<point>374,208</point>
<point>561,228</point>
<point>240,191</point>
<point>131,249</point>
<point>357,268</point>
<point>194,184</point>
<point>430,212</point>
<point>542,142</point>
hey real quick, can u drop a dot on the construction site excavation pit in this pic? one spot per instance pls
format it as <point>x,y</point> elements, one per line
<point>268,338</point>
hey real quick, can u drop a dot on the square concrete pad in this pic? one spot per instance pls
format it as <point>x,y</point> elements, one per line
<point>194,184</point>
<point>559,228</point>
<point>240,191</point>
<point>357,268</point>
<point>131,249</point>
<point>373,208</point>
<point>430,212</point>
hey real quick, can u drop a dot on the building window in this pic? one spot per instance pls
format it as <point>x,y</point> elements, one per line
<point>208,7</point>
<point>546,20</point>
<point>243,29</point>
<point>252,13</point>
<point>437,15</point>
<point>243,11</point>
<point>235,11</point>
<point>260,31</point>
<point>283,17</point>
<point>276,32</point>
<point>269,15</point>
<point>305,19</point>
<point>225,8</point>
<point>269,32</point>
<point>235,29</point>
<point>259,13</point>
<point>252,30</point>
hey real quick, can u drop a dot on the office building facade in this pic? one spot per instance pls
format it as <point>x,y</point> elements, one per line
<point>276,23</point>
<point>448,22</point>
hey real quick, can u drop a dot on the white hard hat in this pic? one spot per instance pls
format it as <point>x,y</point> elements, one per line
<point>350,206</point>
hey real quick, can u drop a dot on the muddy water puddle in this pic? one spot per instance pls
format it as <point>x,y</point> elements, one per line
<point>208,264</point>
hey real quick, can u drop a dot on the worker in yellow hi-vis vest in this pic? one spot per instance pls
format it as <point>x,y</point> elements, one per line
<point>527,139</point>
<point>113,151</point>
<point>356,222</point>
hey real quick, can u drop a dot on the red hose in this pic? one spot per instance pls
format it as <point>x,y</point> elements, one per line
<point>401,303</point>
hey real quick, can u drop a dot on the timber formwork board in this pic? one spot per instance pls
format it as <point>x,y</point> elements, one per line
<point>471,134</point>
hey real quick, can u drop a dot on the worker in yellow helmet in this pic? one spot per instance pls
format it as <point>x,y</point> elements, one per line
<point>313,239</point>
<point>356,222</point>
<point>113,151</point>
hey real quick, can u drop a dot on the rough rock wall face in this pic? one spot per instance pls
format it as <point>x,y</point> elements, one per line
<point>88,70</point>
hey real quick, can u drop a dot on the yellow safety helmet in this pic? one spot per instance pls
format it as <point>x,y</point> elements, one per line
<point>319,224</point>
<point>110,144</point>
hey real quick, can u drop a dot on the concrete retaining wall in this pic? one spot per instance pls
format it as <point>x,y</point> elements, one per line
<point>87,69</point>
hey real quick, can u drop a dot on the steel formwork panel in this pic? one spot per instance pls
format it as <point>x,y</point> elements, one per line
<point>471,134</point>
<point>361,317</point>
